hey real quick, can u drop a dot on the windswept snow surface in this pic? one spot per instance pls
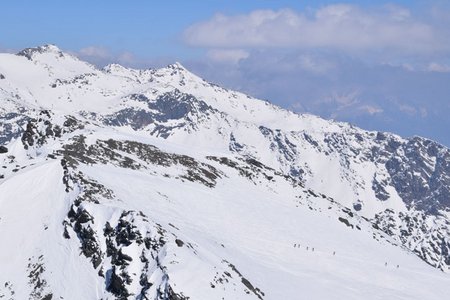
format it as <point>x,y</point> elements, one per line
<point>155,184</point>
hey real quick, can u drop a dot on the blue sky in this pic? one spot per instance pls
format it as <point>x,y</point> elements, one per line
<point>380,65</point>
<point>146,28</point>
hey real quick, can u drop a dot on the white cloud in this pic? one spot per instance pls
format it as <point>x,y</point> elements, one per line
<point>94,51</point>
<point>102,56</point>
<point>314,64</point>
<point>410,109</point>
<point>350,103</point>
<point>227,55</point>
<point>370,109</point>
<point>435,67</point>
<point>126,58</point>
<point>423,112</point>
<point>341,26</point>
<point>398,13</point>
<point>346,100</point>
<point>407,109</point>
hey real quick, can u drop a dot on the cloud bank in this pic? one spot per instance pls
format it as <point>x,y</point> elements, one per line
<point>341,27</point>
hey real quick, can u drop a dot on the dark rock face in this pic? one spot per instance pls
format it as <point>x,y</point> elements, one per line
<point>137,119</point>
<point>36,275</point>
<point>3,149</point>
<point>379,189</point>
<point>11,125</point>
<point>422,175</point>
<point>39,130</point>
<point>345,221</point>
<point>7,290</point>
<point>171,295</point>
<point>80,80</point>
<point>179,242</point>
<point>71,124</point>
<point>252,289</point>
<point>87,236</point>
<point>171,106</point>
<point>357,206</point>
<point>177,105</point>
<point>281,143</point>
<point>115,284</point>
<point>117,234</point>
<point>110,152</point>
<point>234,146</point>
<point>427,238</point>
<point>254,170</point>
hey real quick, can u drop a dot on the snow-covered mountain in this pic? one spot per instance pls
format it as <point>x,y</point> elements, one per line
<point>156,184</point>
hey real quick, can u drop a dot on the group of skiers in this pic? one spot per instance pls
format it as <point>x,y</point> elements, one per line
<point>307,248</point>
<point>386,264</point>
<point>334,252</point>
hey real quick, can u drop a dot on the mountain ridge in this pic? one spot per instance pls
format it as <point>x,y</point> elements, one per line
<point>166,128</point>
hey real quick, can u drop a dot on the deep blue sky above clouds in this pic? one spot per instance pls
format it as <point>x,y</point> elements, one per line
<point>380,65</point>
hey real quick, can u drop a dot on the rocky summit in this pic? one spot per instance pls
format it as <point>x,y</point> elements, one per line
<point>119,183</point>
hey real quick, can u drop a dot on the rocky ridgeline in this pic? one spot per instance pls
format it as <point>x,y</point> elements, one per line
<point>119,245</point>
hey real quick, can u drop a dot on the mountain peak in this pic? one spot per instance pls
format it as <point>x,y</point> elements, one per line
<point>30,53</point>
<point>114,67</point>
<point>50,48</point>
<point>177,66</point>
